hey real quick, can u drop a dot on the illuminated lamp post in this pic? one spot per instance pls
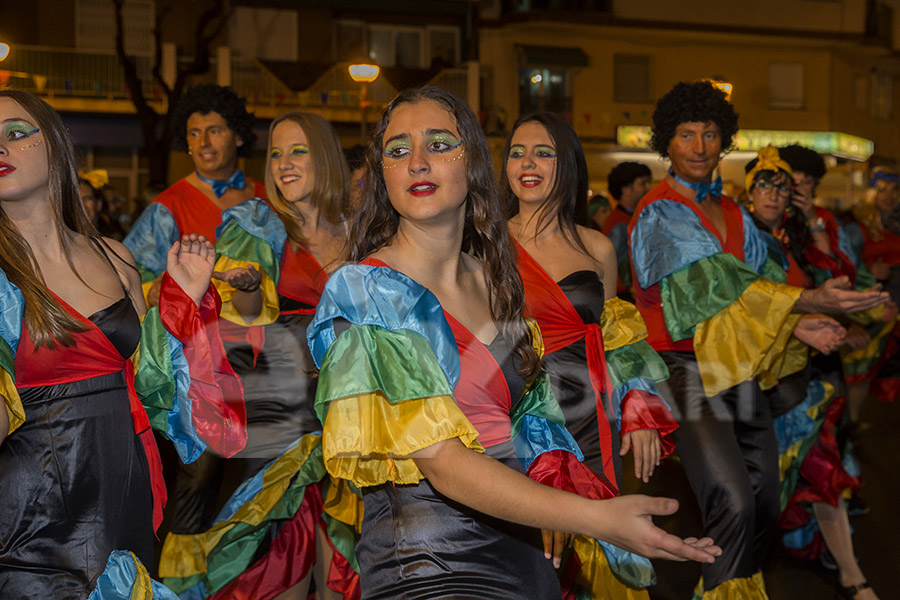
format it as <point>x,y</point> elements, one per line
<point>363,74</point>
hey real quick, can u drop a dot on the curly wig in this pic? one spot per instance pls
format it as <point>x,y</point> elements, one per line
<point>208,98</point>
<point>623,175</point>
<point>804,160</point>
<point>698,102</point>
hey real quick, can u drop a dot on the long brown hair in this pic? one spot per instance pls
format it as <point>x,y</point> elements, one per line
<point>331,186</point>
<point>568,196</point>
<point>47,321</point>
<point>485,234</point>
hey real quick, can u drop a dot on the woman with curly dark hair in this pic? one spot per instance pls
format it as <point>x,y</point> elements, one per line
<point>430,391</point>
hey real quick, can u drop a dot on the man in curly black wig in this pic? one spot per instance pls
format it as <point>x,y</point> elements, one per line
<point>714,312</point>
<point>808,166</point>
<point>213,126</point>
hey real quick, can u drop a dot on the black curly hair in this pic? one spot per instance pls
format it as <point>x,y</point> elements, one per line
<point>698,102</point>
<point>623,175</point>
<point>208,98</point>
<point>804,160</point>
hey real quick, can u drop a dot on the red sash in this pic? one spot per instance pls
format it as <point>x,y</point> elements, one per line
<point>302,278</point>
<point>561,326</point>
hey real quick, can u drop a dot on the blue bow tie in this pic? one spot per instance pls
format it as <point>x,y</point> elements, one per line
<point>220,186</point>
<point>701,189</point>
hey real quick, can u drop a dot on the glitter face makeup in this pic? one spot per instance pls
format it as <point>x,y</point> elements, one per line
<point>439,141</point>
<point>540,151</point>
<point>15,131</point>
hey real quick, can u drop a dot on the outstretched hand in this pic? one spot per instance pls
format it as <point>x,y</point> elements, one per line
<point>835,296</point>
<point>627,523</point>
<point>190,263</point>
<point>647,450</point>
<point>245,279</point>
<point>819,332</point>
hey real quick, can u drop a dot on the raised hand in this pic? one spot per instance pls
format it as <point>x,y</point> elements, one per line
<point>626,522</point>
<point>647,450</point>
<point>822,333</point>
<point>835,296</point>
<point>190,263</point>
<point>245,279</point>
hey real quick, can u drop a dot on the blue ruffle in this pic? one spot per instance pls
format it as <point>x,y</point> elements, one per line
<point>180,424</point>
<point>756,251</point>
<point>538,435</point>
<point>12,310</point>
<point>776,252</point>
<point>118,579</point>
<point>631,568</point>
<point>619,238</point>
<point>666,237</point>
<point>258,219</point>
<point>151,236</point>
<point>636,383</point>
<point>796,424</point>
<point>367,295</point>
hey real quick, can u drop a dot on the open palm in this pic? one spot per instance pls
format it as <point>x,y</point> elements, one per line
<point>190,263</point>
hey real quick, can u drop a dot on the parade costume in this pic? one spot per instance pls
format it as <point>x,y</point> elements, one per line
<point>183,209</point>
<point>616,229</point>
<point>702,296</point>
<point>397,375</point>
<point>815,460</point>
<point>87,410</point>
<point>263,541</point>
<point>616,394</point>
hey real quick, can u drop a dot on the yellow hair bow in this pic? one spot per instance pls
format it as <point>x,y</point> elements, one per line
<point>767,159</point>
<point>98,178</point>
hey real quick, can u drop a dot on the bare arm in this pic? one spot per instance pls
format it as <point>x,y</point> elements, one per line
<point>835,296</point>
<point>603,252</point>
<point>494,489</point>
<point>126,268</point>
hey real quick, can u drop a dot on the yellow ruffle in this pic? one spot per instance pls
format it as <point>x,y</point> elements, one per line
<point>537,340</point>
<point>789,456</point>
<point>143,588</point>
<point>269,312</point>
<point>871,349</point>
<point>367,440</point>
<point>184,555</point>
<point>596,576</point>
<point>14,409</point>
<point>734,345</point>
<point>740,588</point>
<point>343,504</point>
<point>621,323</point>
<point>145,289</point>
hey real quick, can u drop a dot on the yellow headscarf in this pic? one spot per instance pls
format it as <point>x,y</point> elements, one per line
<point>98,178</point>
<point>768,159</point>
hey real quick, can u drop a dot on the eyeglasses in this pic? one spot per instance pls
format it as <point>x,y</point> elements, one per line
<point>765,186</point>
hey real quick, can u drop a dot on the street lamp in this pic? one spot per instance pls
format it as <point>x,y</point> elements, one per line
<point>363,74</point>
<point>4,51</point>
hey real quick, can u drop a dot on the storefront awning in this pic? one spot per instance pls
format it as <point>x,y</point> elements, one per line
<point>839,144</point>
<point>552,56</point>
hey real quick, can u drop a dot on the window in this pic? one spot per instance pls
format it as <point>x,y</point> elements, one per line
<point>881,95</point>
<point>266,33</point>
<point>544,89</point>
<point>786,85</point>
<point>350,38</point>
<point>397,46</point>
<point>443,46</point>
<point>631,78</point>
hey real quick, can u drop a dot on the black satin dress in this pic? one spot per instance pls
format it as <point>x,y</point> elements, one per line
<point>74,480</point>
<point>569,378</point>
<point>416,543</point>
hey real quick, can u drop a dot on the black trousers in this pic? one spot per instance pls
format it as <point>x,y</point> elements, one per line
<point>728,448</point>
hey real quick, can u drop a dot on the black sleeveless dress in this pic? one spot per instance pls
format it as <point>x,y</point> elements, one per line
<point>569,378</point>
<point>416,543</point>
<point>74,479</point>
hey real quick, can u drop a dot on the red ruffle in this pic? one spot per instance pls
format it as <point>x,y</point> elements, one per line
<point>562,470</point>
<point>643,410</point>
<point>148,442</point>
<point>342,578</point>
<point>289,558</point>
<point>216,392</point>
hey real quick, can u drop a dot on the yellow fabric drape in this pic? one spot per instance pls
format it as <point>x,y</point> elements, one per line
<point>739,588</point>
<point>621,323</point>
<point>367,439</point>
<point>184,555</point>
<point>14,409</point>
<point>269,312</point>
<point>734,345</point>
<point>596,576</point>
<point>343,504</point>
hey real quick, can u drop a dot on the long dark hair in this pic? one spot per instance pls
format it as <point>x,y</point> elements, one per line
<point>47,321</point>
<point>568,196</point>
<point>485,234</point>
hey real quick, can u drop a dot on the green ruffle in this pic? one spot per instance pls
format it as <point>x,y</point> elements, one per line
<point>701,289</point>
<point>7,360</point>
<point>343,538</point>
<point>537,401</point>
<point>146,274</point>
<point>154,379</point>
<point>773,272</point>
<point>637,360</point>
<point>237,244</point>
<point>368,358</point>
